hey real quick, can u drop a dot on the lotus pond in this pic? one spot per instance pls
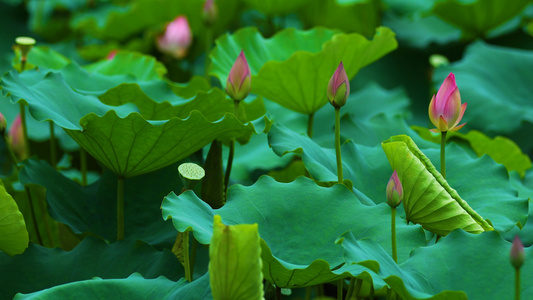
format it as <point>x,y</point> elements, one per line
<point>246,149</point>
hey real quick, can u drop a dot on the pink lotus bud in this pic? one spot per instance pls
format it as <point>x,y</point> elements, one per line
<point>111,54</point>
<point>338,87</point>
<point>394,190</point>
<point>3,124</point>
<point>239,80</point>
<point>209,13</point>
<point>445,109</point>
<point>16,139</point>
<point>518,255</point>
<point>177,38</point>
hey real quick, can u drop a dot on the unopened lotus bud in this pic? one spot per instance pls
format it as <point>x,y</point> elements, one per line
<point>209,13</point>
<point>16,139</point>
<point>517,255</point>
<point>239,81</point>
<point>177,38</point>
<point>394,190</point>
<point>338,87</point>
<point>445,109</point>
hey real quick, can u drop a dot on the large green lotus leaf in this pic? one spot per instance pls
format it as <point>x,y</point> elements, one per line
<point>266,203</point>
<point>287,82</point>
<point>235,250</point>
<point>428,198</point>
<point>14,237</point>
<point>382,270</point>
<point>94,208</point>
<point>44,57</point>
<point>477,18</point>
<point>143,67</point>
<point>114,141</point>
<point>213,104</point>
<point>483,262</point>
<point>133,287</point>
<point>488,191</point>
<point>259,50</point>
<point>92,257</point>
<point>525,190</point>
<point>491,81</point>
<point>275,7</point>
<point>361,16</point>
<point>501,149</point>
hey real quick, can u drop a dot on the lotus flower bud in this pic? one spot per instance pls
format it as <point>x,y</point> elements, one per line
<point>16,139</point>
<point>394,190</point>
<point>176,39</point>
<point>3,124</point>
<point>445,109</point>
<point>338,87</point>
<point>112,54</point>
<point>239,80</point>
<point>518,255</point>
<point>209,13</point>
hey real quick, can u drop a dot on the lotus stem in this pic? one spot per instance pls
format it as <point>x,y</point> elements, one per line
<point>310,125</point>
<point>186,258</point>
<point>120,208</point>
<point>443,154</point>
<point>53,160</point>
<point>338,143</point>
<point>351,288</point>
<point>34,219</point>
<point>83,166</point>
<point>231,150</point>
<point>393,234</point>
<point>194,248</point>
<point>24,128</point>
<point>517,284</point>
<point>340,289</point>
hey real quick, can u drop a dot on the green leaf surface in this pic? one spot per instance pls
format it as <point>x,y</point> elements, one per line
<point>14,237</point>
<point>235,250</point>
<point>92,257</point>
<point>503,150</point>
<point>428,198</point>
<point>266,203</point>
<point>492,81</point>
<point>142,67</point>
<point>133,287</point>
<point>278,48</point>
<point>275,7</point>
<point>477,18</point>
<point>94,208</point>
<point>483,183</point>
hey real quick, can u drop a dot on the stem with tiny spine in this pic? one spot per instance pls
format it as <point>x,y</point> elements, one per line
<point>338,143</point>
<point>443,154</point>
<point>310,125</point>
<point>231,150</point>
<point>517,284</point>
<point>393,234</point>
<point>24,129</point>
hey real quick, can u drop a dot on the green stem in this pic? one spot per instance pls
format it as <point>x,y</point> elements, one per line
<point>34,219</point>
<point>310,125</point>
<point>278,293</point>
<point>230,164</point>
<point>443,154</point>
<point>120,208</point>
<point>517,284</point>
<point>24,128</point>
<point>208,41</point>
<point>393,234</point>
<point>338,142</point>
<point>358,285</point>
<point>53,156</point>
<point>340,289</point>
<point>186,258</point>
<point>44,216</point>
<point>83,163</point>
<point>351,289</point>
